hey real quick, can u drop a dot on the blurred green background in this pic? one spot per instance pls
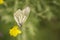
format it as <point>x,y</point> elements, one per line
<point>43,22</point>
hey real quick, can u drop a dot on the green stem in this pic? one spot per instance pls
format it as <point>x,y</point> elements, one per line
<point>16,5</point>
<point>26,3</point>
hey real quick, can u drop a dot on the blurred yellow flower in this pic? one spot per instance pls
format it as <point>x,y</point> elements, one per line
<point>14,31</point>
<point>1,1</point>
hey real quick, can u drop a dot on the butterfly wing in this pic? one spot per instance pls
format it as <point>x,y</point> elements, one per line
<point>17,16</point>
<point>25,12</point>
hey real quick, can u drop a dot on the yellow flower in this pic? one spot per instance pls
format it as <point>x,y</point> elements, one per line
<point>1,1</point>
<point>14,31</point>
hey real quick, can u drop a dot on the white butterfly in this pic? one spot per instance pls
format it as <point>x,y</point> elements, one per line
<point>20,16</point>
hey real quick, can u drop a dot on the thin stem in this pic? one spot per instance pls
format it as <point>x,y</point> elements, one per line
<point>16,5</point>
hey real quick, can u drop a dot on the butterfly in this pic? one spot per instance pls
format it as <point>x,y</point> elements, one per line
<point>21,16</point>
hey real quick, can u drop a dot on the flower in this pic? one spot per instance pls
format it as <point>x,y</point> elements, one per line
<point>1,1</point>
<point>14,31</point>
